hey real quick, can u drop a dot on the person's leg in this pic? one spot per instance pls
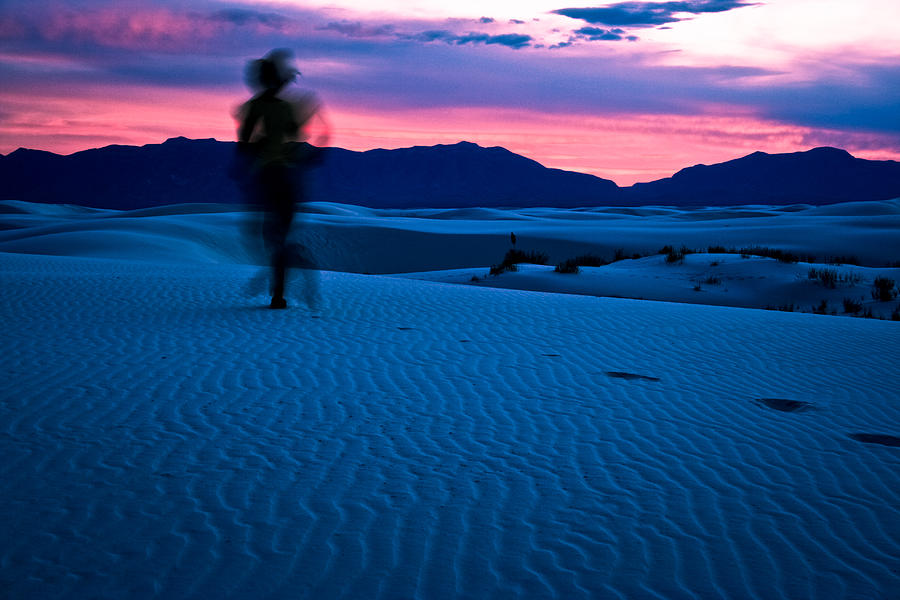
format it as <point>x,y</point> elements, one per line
<point>280,207</point>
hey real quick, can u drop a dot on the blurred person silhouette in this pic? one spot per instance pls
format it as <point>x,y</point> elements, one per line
<point>273,156</point>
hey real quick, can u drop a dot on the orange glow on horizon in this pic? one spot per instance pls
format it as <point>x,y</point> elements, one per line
<point>624,148</point>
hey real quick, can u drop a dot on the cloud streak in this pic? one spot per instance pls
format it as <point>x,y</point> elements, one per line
<point>511,40</point>
<point>648,14</point>
<point>356,29</point>
<point>595,34</point>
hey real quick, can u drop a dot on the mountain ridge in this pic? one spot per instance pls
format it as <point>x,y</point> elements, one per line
<point>182,170</point>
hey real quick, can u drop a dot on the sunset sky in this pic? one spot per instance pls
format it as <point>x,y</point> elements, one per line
<point>629,91</point>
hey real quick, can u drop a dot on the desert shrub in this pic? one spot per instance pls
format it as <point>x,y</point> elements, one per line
<point>883,289</point>
<point>714,263</point>
<point>503,268</point>
<point>515,256</point>
<point>895,316</point>
<point>568,266</point>
<point>621,255</point>
<point>777,254</point>
<point>828,277</point>
<point>475,278</point>
<point>676,256</point>
<point>585,260</point>
<point>822,308</point>
<point>852,306</point>
<point>712,280</point>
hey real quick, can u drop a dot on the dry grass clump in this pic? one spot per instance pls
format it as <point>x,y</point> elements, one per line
<point>514,257</point>
<point>883,289</point>
<point>585,260</point>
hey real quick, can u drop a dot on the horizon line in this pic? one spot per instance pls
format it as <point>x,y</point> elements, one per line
<point>213,139</point>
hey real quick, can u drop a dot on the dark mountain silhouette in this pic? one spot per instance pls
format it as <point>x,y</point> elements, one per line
<point>123,177</point>
<point>817,176</point>
<point>182,170</point>
<point>462,174</point>
<point>458,175</point>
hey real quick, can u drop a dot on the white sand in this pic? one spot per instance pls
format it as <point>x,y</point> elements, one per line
<point>164,435</point>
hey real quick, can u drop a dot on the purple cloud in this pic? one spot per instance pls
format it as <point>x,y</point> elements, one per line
<point>357,29</point>
<point>243,16</point>
<point>595,34</point>
<point>511,40</point>
<point>648,14</point>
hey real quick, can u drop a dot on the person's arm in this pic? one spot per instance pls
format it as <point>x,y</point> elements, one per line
<point>323,131</point>
<point>248,124</point>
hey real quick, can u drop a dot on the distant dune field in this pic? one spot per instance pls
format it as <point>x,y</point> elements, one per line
<point>457,245</point>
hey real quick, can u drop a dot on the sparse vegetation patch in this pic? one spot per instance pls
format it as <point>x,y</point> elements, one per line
<point>585,260</point>
<point>675,255</point>
<point>568,266</point>
<point>830,277</point>
<point>852,306</point>
<point>590,260</point>
<point>777,254</point>
<point>514,257</point>
<point>822,308</point>
<point>883,289</point>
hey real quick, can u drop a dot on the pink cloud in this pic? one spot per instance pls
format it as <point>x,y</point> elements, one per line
<point>130,27</point>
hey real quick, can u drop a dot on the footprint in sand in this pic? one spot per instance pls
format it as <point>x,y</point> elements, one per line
<point>877,438</point>
<point>630,376</point>
<point>784,405</point>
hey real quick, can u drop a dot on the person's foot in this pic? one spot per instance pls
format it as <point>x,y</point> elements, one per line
<point>278,303</point>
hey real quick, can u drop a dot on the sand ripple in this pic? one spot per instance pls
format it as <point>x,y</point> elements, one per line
<point>162,435</point>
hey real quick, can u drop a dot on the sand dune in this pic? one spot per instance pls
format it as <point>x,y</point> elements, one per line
<point>713,279</point>
<point>164,435</point>
<point>453,246</point>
